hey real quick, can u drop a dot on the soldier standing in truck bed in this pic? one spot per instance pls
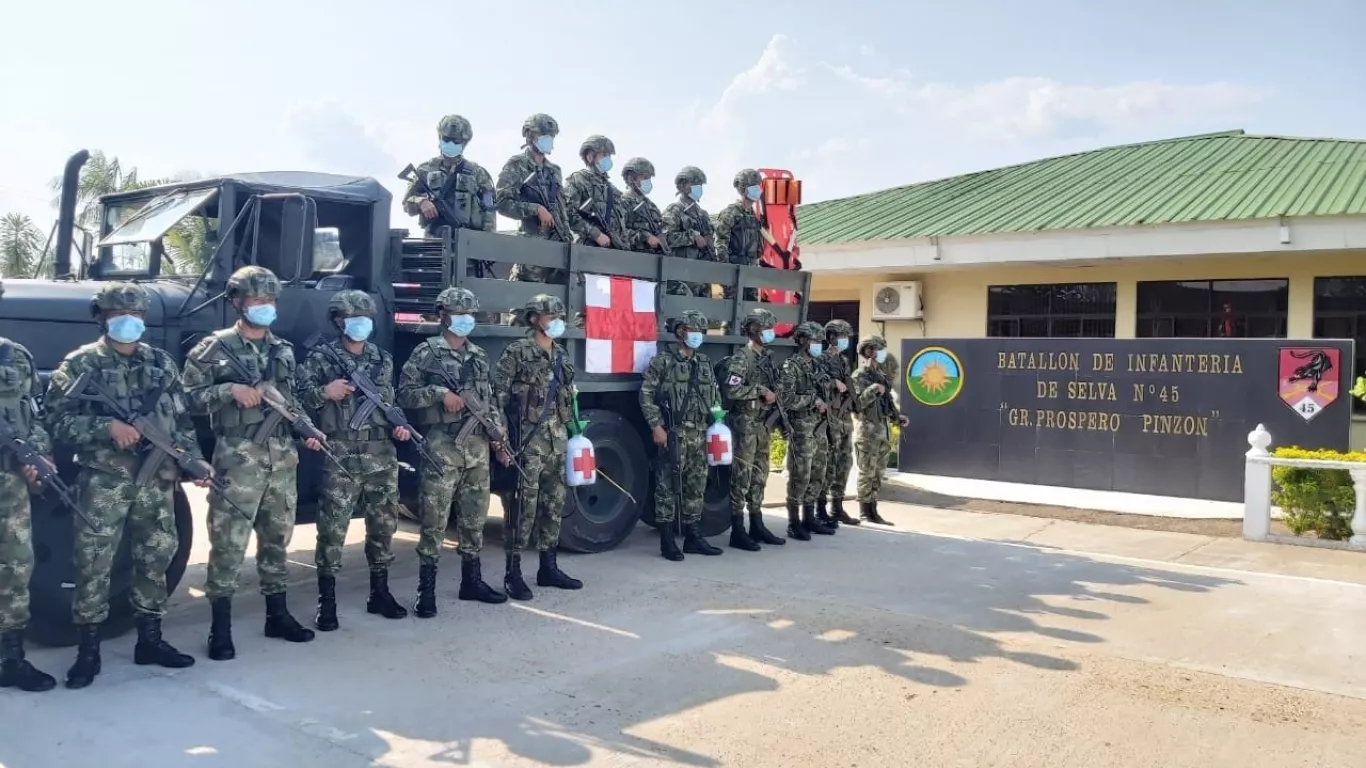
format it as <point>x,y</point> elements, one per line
<point>450,190</point>
<point>593,206</point>
<point>737,229</point>
<point>641,218</point>
<point>531,190</point>
<point>687,225</point>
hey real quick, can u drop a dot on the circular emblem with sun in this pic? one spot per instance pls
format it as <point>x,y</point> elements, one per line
<point>934,376</point>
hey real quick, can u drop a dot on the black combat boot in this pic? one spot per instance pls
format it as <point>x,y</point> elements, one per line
<point>550,574</point>
<point>220,631</point>
<point>425,607</point>
<point>837,512</point>
<point>381,600</point>
<point>281,625</point>
<point>739,538</point>
<point>513,583</point>
<point>472,585</point>
<point>152,649</point>
<point>16,671</point>
<point>668,545</point>
<point>326,619</point>
<point>821,515</point>
<point>694,544</point>
<point>810,523</point>
<point>794,523</point>
<point>760,533</point>
<point>868,511</point>
<point>87,665</point>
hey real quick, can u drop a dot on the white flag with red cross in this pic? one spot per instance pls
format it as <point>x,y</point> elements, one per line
<point>620,328</point>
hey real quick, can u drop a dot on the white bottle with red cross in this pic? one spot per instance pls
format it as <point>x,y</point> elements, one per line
<point>580,462</point>
<point>718,443</point>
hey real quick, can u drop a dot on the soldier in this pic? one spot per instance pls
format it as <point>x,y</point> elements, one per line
<point>875,410</point>
<point>108,453</point>
<point>450,190</point>
<point>687,226</point>
<point>19,390</point>
<point>799,393</point>
<point>677,393</point>
<point>641,218</point>
<point>737,229</point>
<point>533,384</point>
<point>749,386</point>
<point>593,206</point>
<point>835,463</point>
<point>253,450</point>
<point>441,381</point>
<point>530,189</point>
<point>365,452</point>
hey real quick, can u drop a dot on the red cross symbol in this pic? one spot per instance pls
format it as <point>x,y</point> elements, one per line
<point>619,317</point>
<point>717,447</point>
<point>584,463</point>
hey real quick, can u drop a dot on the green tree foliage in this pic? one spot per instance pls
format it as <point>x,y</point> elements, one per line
<point>21,245</point>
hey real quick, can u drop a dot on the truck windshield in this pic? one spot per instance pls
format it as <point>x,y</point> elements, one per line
<point>134,225</point>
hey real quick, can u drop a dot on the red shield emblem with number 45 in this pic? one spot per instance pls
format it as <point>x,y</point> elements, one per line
<point>1310,379</point>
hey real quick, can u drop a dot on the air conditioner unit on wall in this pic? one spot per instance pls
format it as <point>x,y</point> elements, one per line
<point>897,301</point>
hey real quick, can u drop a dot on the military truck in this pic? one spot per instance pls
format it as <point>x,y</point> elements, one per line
<point>322,233</point>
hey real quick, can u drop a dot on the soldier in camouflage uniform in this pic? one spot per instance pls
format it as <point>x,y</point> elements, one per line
<point>641,218</point>
<point>875,411</point>
<point>835,463</point>
<point>681,381</point>
<point>444,413</point>
<point>19,390</point>
<point>748,384</point>
<point>367,453</point>
<point>737,229</point>
<point>799,393</point>
<point>687,225</point>
<point>262,468</point>
<point>109,454</point>
<point>534,385</point>
<point>593,206</point>
<point>452,182</point>
<point>530,190</point>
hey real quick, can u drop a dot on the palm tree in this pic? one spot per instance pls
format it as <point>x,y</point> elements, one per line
<point>21,245</point>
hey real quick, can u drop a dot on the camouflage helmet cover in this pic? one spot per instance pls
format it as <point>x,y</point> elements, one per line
<point>457,301</point>
<point>351,304</point>
<point>874,341</point>
<point>747,178</point>
<point>690,174</point>
<point>597,143</point>
<point>639,167</point>
<point>253,283</point>
<point>455,128</point>
<point>691,320</point>
<point>809,329</point>
<point>838,327</point>
<point>540,124</point>
<point>543,304</point>
<point>119,297</point>
<point>760,317</point>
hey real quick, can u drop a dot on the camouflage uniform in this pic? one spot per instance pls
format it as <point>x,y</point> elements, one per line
<point>19,391</point>
<point>523,381</point>
<point>737,231</point>
<point>262,468</point>
<point>466,475</point>
<point>462,184</point>
<point>681,381</point>
<point>591,200</point>
<point>526,179</point>
<point>873,439</point>
<point>799,393</point>
<point>837,462</point>
<point>741,379</point>
<point>685,220</point>
<point>366,452</point>
<point>145,380</point>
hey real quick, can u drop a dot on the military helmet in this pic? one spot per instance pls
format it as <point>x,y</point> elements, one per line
<point>457,301</point>
<point>253,283</point>
<point>838,327</point>
<point>809,329</point>
<point>540,124</point>
<point>690,174</point>
<point>351,304</point>
<point>639,167</point>
<point>747,178</point>
<point>874,341</point>
<point>760,317</point>
<point>543,304</point>
<point>691,320</point>
<point>597,143</point>
<point>118,297</point>
<point>455,128</point>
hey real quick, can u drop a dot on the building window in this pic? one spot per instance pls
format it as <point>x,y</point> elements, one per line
<point>1254,309</point>
<point>1058,310</point>
<point>1340,313</point>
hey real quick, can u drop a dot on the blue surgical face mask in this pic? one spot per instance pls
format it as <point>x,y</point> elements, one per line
<point>604,164</point>
<point>753,192</point>
<point>555,329</point>
<point>544,144</point>
<point>261,315</point>
<point>842,343</point>
<point>359,328</point>
<point>451,149</point>
<point>461,325</point>
<point>693,339</point>
<point>815,348</point>
<point>695,192</point>
<point>125,329</point>
<point>766,335</point>
<point>881,356</point>
<point>646,186</point>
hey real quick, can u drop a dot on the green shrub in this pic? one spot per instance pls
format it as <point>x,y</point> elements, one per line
<point>1317,501</point>
<point>777,450</point>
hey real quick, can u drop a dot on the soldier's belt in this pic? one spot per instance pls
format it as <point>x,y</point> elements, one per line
<point>369,435</point>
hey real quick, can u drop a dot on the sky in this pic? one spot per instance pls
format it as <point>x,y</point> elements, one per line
<point>851,97</point>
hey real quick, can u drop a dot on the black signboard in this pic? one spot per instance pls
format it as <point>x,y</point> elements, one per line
<point>1156,416</point>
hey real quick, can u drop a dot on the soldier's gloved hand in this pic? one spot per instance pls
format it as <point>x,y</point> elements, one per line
<point>428,209</point>
<point>206,480</point>
<point>452,402</point>
<point>661,437</point>
<point>402,434</point>
<point>547,221</point>
<point>653,242</point>
<point>699,241</point>
<point>125,436</point>
<point>840,386</point>
<point>339,389</point>
<point>247,397</point>
<point>903,421</point>
<point>602,240</point>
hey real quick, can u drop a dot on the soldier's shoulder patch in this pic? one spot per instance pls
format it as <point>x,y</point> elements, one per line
<point>734,380</point>
<point>486,200</point>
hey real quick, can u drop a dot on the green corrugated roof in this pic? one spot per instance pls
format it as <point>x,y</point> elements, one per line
<point>1211,177</point>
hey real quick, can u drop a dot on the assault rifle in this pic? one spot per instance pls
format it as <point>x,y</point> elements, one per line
<point>777,415</point>
<point>885,402</point>
<point>658,231</point>
<point>666,412</point>
<point>443,210</point>
<point>539,197</point>
<point>161,444</point>
<point>47,471</point>
<point>701,218</point>
<point>480,418</point>
<point>586,210</point>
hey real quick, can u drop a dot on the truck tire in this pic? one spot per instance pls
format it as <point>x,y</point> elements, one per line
<point>54,573</point>
<point>715,505</point>
<point>598,517</point>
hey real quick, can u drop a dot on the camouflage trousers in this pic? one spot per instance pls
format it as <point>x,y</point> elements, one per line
<point>120,507</point>
<point>749,470</point>
<point>873,444</point>
<point>528,273</point>
<point>693,482</point>
<point>465,485</point>
<point>262,482</point>
<point>374,463</point>
<point>801,452</point>
<point>820,464</point>
<point>840,460</point>
<point>16,551</point>
<point>540,499</point>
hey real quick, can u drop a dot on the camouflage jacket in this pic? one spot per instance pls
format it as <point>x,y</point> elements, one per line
<point>426,379</point>
<point>19,393</point>
<point>800,385</point>
<point>670,378</point>
<point>747,371</point>
<point>208,383</point>
<point>640,219</point>
<point>146,381</point>
<point>590,200</point>
<point>870,405</point>
<point>321,368</point>
<point>524,374</point>
<point>465,187</point>
<point>835,368</point>
<point>517,195</point>
<point>683,220</point>
<point>737,235</point>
